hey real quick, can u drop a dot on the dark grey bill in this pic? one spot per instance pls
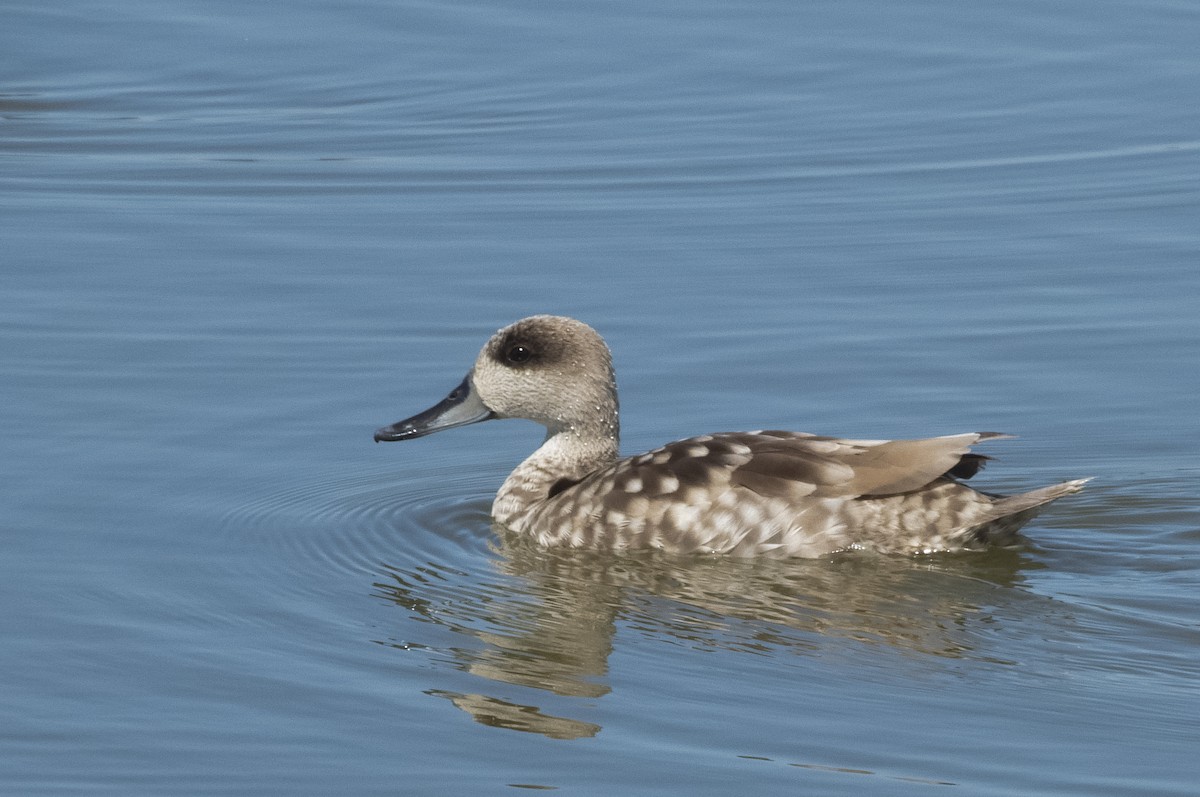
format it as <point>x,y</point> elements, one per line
<point>460,408</point>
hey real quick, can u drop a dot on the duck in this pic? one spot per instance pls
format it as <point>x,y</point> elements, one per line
<point>752,494</point>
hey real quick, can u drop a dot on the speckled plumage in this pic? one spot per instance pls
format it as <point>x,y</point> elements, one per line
<point>741,493</point>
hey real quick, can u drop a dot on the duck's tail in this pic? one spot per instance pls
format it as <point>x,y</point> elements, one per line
<point>1011,512</point>
<point>1023,502</point>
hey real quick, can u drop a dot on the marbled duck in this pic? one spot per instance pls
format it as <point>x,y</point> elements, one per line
<point>741,493</point>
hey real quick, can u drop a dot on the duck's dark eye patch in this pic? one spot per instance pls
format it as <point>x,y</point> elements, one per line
<point>518,354</point>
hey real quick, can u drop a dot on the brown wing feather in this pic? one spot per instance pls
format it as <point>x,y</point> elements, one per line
<point>900,466</point>
<point>822,466</point>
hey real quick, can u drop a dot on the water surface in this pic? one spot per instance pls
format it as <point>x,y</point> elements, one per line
<point>236,239</point>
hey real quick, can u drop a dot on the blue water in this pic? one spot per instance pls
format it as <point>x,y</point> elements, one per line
<point>236,238</point>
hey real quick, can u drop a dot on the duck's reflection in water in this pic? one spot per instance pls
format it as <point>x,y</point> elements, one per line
<point>547,619</point>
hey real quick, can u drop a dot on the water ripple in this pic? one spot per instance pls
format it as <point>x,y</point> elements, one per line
<point>354,523</point>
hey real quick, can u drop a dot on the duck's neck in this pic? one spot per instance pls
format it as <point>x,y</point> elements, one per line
<point>563,459</point>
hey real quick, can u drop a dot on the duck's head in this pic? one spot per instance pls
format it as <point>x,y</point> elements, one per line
<point>550,369</point>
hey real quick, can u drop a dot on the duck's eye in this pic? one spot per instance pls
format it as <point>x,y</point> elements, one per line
<point>518,354</point>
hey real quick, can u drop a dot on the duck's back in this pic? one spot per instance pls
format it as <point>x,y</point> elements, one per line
<point>781,493</point>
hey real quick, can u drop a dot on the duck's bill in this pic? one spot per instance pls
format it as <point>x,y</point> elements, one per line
<point>463,406</point>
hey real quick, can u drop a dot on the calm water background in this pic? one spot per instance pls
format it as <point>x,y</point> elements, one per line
<point>237,237</point>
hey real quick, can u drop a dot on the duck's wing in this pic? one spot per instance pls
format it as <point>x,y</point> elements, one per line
<point>792,465</point>
<point>786,465</point>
